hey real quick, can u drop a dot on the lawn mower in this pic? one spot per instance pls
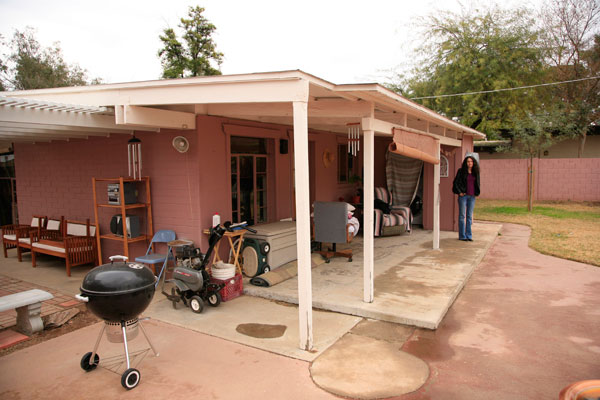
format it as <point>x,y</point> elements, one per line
<point>192,285</point>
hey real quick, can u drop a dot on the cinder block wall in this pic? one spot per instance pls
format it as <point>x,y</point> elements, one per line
<point>574,179</point>
<point>55,179</point>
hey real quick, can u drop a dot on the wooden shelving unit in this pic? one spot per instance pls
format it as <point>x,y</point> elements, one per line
<point>143,183</point>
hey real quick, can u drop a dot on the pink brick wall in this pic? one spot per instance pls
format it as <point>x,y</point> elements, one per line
<point>575,179</point>
<point>55,179</point>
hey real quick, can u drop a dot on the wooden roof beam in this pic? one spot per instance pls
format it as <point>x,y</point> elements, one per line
<point>154,117</point>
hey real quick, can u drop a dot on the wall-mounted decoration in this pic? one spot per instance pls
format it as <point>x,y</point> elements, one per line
<point>134,157</point>
<point>328,158</point>
<point>353,138</point>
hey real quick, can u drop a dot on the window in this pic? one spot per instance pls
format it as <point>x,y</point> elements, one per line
<point>443,166</point>
<point>347,165</point>
<point>248,145</point>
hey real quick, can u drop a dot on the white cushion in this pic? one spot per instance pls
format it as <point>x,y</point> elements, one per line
<point>35,222</point>
<point>10,237</point>
<point>48,247</point>
<point>79,230</point>
<point>25,240</point>
<point>53,225</point>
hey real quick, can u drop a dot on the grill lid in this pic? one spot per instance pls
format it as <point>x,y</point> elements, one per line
<point>117,278</point>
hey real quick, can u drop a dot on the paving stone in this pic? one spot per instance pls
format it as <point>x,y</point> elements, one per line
<point>69,303</point>
<point>9,338</point>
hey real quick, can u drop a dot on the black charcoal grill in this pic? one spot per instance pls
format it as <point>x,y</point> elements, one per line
<point>118,293</point>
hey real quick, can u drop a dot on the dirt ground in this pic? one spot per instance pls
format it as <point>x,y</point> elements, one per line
<point>81,320</point>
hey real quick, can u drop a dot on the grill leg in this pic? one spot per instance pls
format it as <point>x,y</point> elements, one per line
<point>97,344</point>
<point>148,338</point>
<point>123,326</point>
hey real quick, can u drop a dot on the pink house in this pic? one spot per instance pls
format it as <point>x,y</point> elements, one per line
<point>262,147</point>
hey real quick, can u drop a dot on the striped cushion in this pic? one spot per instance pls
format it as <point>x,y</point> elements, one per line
<point>378,222</point>
<point>406,214</point>
<point>393,220</point>
<point>383,194</point>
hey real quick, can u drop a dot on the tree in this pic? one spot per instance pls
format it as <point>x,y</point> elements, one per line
<point>28,65</point>
<point>534,133</point>
<point>571,37</point>
<point>194,55</point>
<point>477,51</point>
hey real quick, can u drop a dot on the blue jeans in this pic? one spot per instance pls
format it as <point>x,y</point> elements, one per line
<point>466,204</point>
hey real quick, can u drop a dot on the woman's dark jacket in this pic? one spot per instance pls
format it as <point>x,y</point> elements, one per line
<point>460,182</point>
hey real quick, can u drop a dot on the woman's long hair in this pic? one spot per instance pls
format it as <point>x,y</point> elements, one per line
<point>474,170</point>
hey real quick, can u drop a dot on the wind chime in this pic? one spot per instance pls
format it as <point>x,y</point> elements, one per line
<point>134,157</point>
<point>353,138</point>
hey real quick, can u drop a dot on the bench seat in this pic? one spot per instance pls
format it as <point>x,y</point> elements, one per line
<point>11,233</point>
<point>29,307</point>
<point>77,247</point>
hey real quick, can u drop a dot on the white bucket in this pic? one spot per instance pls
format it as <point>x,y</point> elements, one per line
<point>223,271</point>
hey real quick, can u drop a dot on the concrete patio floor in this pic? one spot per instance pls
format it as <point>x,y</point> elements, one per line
<point>414,284</point>
<point>523,327</point>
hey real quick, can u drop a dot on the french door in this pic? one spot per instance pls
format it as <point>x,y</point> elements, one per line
<point>249,188</point>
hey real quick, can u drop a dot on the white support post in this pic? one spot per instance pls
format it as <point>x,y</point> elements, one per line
<point>303,223</point>
<point>436,201</point>
<point>368,217</point>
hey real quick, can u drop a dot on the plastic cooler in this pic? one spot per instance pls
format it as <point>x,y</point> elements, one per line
<point>281,237</point>
<point>233,287</point>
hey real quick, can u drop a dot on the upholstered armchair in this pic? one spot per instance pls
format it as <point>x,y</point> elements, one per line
<point>389,219</point>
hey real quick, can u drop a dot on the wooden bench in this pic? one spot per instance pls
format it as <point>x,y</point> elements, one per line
<point>53,230</point>
<point>29,308</point>
<point>77,247</point>
<point>12,233</point>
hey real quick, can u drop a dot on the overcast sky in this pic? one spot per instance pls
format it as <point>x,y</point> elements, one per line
<point>343,41</point>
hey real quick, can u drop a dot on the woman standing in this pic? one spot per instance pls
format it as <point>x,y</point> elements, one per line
<point>466,186</point>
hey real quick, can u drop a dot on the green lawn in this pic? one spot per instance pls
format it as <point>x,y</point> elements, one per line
<point>562,229</point>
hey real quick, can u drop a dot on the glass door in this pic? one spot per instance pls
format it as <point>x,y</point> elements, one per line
<point>248,180</point>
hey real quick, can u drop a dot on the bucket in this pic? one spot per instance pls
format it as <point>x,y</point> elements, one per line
<point>223,271</point>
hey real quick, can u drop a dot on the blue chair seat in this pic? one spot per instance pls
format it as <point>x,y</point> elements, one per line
<point>152,258</point>
<point>162,236</point>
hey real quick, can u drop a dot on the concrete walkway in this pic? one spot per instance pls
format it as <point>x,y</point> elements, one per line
<point>523,327</point>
